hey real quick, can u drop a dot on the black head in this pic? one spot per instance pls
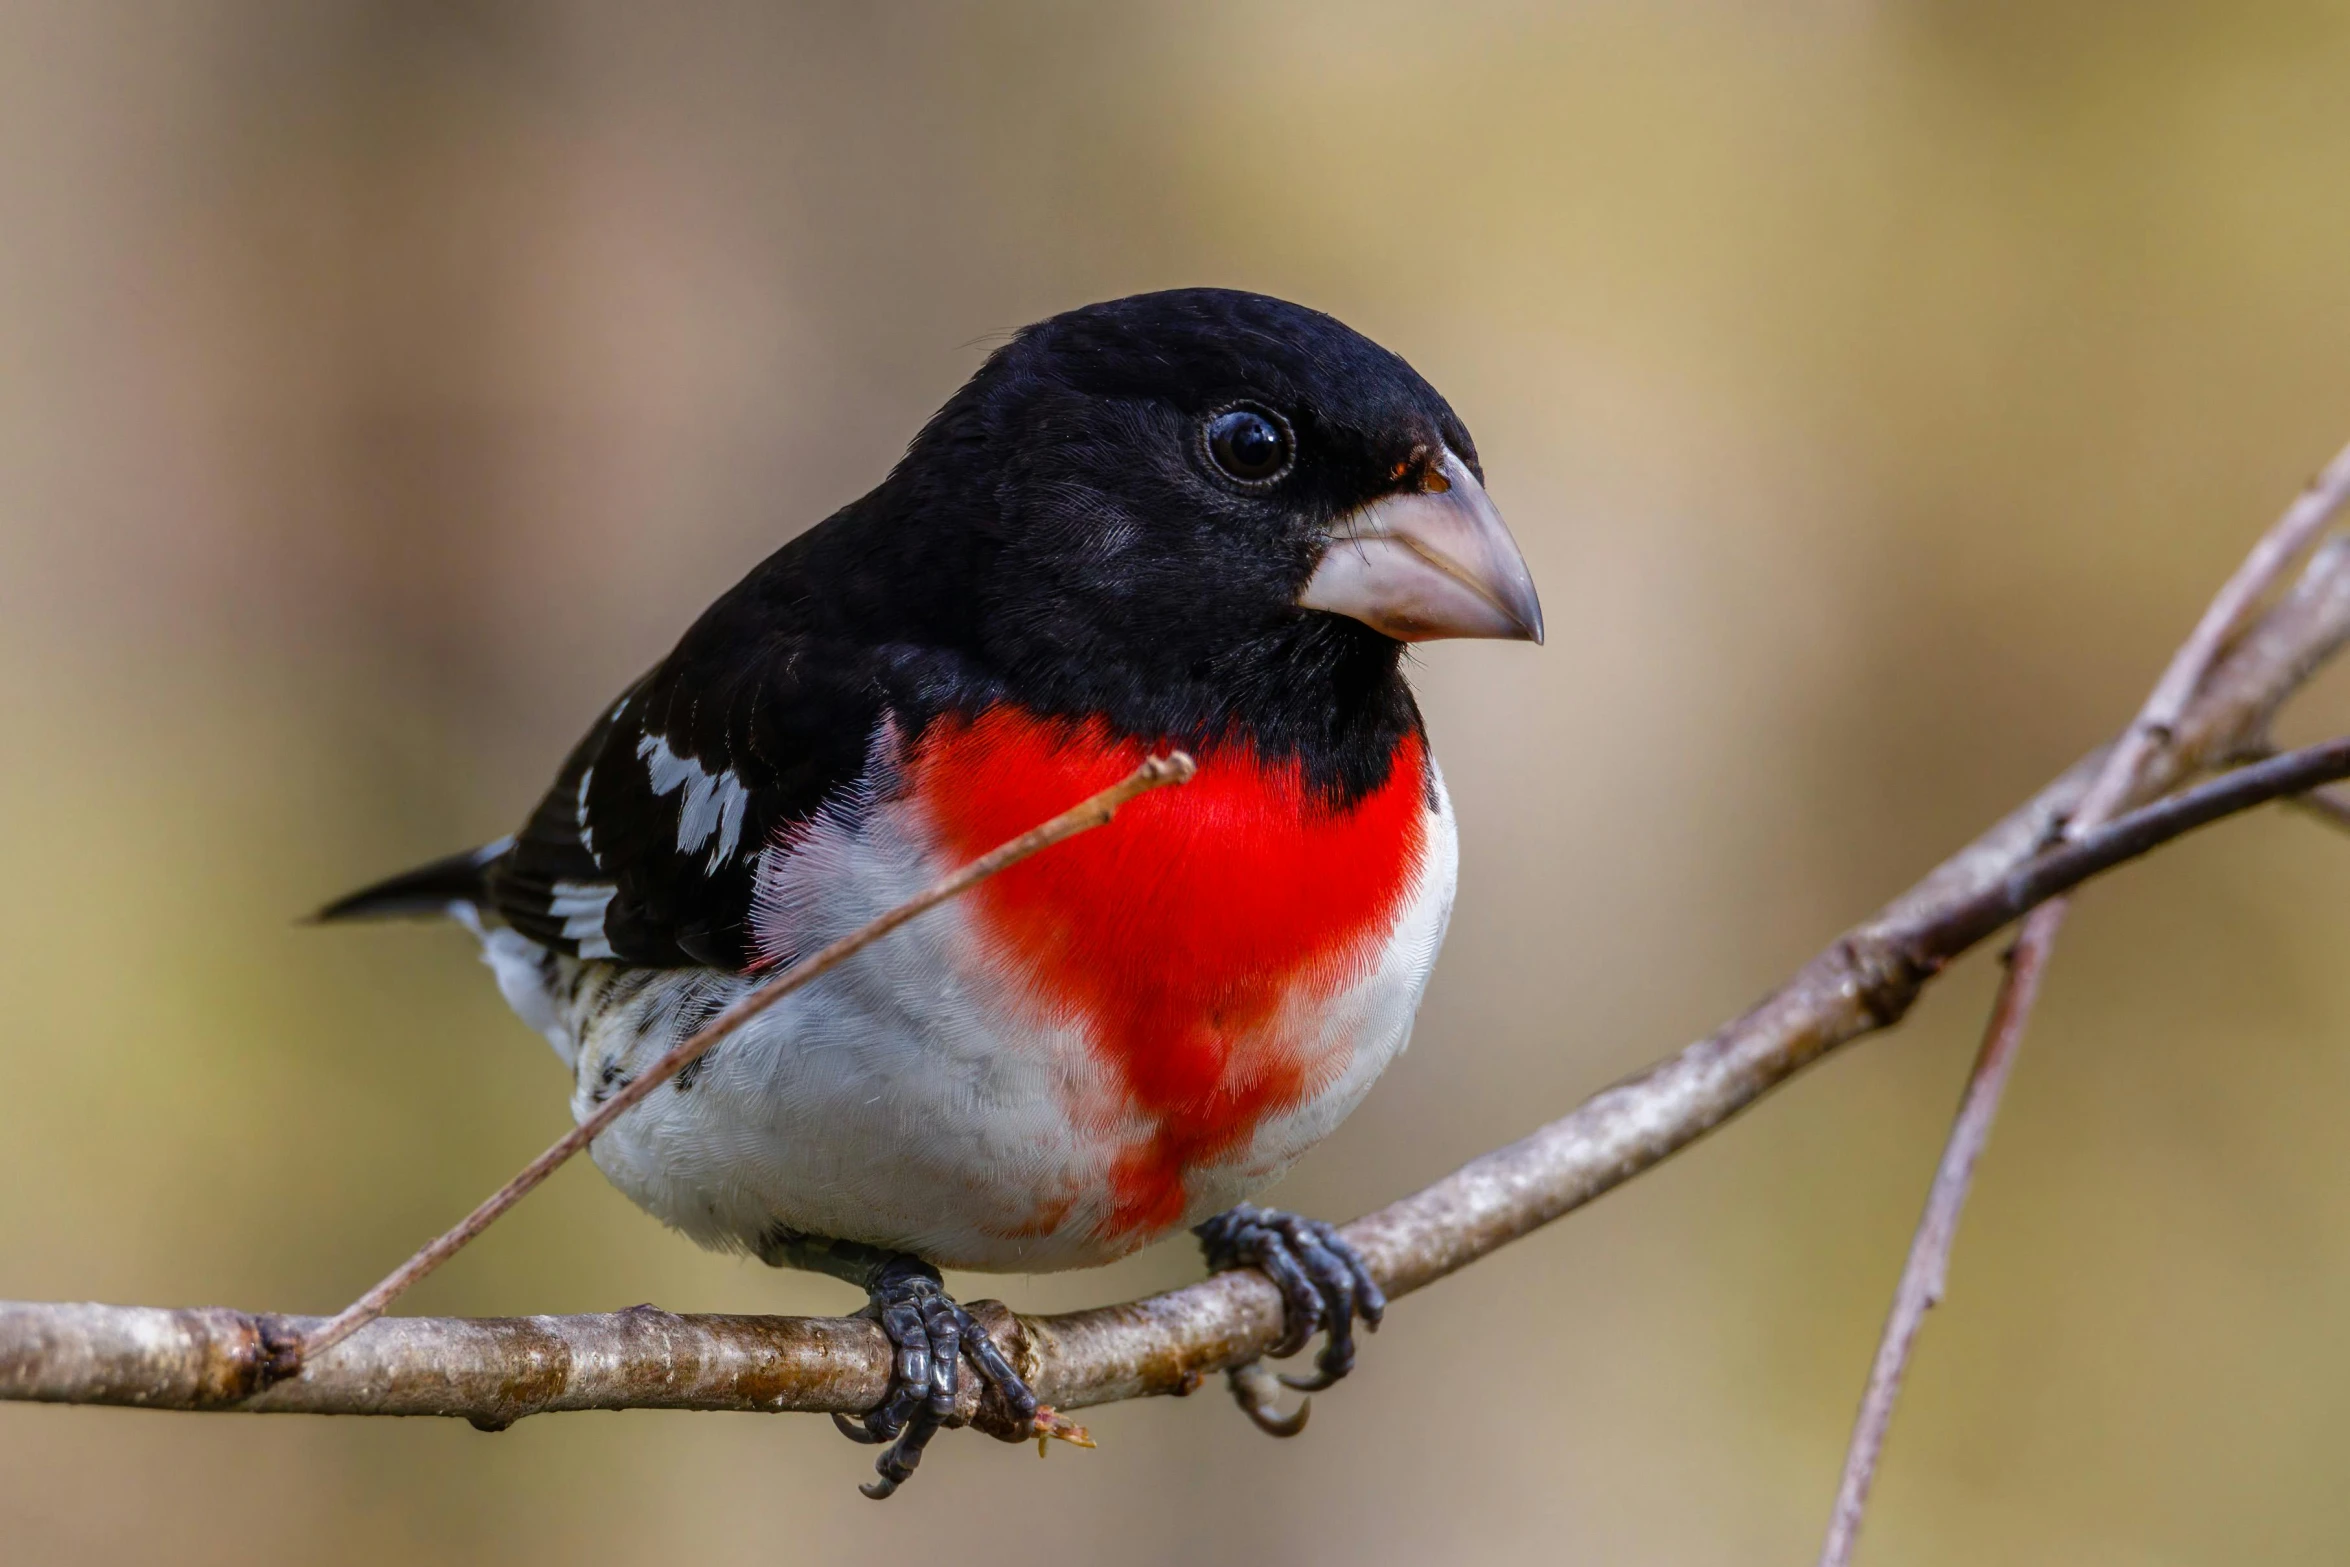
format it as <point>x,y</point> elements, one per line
<point>1191,509</point>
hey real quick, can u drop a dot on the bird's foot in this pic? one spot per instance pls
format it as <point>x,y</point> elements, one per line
<point>1324,1287</point>
<point>930,1334</point>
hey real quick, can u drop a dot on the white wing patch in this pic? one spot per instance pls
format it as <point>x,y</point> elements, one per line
<point>713,802</point>
<point>580,905</point>
<point>579,813</point>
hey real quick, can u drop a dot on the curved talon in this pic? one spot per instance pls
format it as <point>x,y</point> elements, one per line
<point>1324,1285</point>
<point>1257,1393</point>
<point>930,1334</point>
<point>1335,1282</point>
<point>1301,1303</point>
<point>855,1432</point>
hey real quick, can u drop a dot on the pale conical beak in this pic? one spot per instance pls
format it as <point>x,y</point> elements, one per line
<point>1436,561</point>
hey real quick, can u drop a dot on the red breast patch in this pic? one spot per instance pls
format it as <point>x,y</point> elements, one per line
<point>1180,933</point>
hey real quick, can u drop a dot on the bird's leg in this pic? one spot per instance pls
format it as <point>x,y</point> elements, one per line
<point>1324,1285</point>
<point>929,1334</point>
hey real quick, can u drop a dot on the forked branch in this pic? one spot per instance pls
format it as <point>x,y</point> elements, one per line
<point>494,1372</point>
<point>1924,1274</point>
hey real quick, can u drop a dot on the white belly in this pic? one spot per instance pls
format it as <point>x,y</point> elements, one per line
<point>913,1098</point>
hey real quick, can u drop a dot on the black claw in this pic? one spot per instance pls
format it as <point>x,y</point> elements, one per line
<point>855,1432</point>
<point>932,1334</point>
<point>1336,1283</point>
<point>1324,1286</point>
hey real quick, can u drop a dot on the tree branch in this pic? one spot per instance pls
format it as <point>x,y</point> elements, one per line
<point>1925,1273</point>
<point>496,1371</point>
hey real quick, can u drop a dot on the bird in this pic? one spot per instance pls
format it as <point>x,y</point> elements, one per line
<point>1200,518</point>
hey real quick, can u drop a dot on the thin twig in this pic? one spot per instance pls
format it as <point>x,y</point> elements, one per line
<point>494,1372</point>
<point>1926,1273</point>
<point>1155,773</point>
<point>2153,730</point>
<point>2038,885</point>
<point>2330,806</point>
<point>2157,722</point>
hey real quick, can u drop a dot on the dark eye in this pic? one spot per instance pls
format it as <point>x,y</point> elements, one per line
<point>1249,444</point>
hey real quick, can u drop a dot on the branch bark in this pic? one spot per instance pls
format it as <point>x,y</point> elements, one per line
<point>1925,1274</point>
<point>495,1371</point>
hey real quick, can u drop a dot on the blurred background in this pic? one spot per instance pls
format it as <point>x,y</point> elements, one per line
<point>1878,390</point>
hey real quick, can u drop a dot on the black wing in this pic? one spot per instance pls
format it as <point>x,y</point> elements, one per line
<point>646,849</point>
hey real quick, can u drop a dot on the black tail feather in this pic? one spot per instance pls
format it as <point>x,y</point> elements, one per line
<point>428,889</point>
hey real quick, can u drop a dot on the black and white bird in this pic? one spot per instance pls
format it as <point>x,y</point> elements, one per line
<point>1200,519</point>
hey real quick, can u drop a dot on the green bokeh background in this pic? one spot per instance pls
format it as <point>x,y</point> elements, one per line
<point>1877,389</point>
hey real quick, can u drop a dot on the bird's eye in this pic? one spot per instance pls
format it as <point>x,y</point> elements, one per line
<point>1249,444</point>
